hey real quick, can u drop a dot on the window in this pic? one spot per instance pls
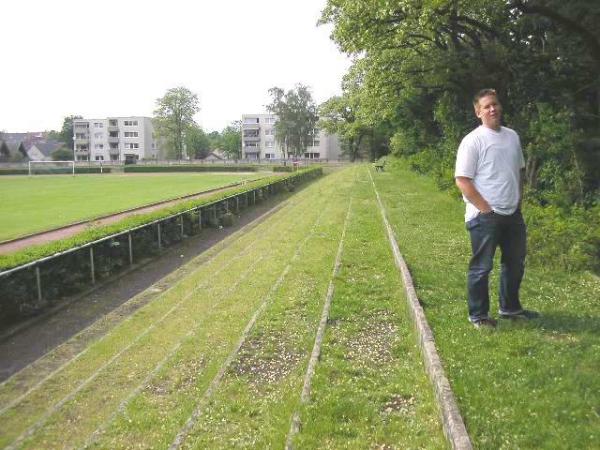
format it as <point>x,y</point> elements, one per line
<point>131,134</point>
<point>270,155</point>
<point>250,144</point>
<point>99,158</point>
<point>112,123</point>
<point>270,119</point>
<point>269,132</point>
<point>98,135</point>
<point>312,155</point>
<point>113,146</point>
<point>250,120</point>
<point>131,145</point>
<point>98,146</point>
<point>80,136</point>
<point>131,123</point>
<point>98,125</point>
<point>269,144</point>
<point>81,147</point>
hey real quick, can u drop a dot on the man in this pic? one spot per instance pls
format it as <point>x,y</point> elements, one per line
<point>489,173</point>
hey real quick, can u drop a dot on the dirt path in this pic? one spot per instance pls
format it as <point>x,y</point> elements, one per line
<point>70,230</point>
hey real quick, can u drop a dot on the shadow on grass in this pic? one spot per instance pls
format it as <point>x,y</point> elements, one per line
<point>557,322</point>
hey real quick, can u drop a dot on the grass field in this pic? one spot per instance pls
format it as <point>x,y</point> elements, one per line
<point>527,385</point>
<point>219,360</point>
<point>31,204</point>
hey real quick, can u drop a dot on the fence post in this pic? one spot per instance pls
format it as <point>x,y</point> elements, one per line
<point>38,279</point>
<point>159,243</point>
<point>200,218</point>
<point>92,264</point>
<point>129,239</point>
<point>237,204</point>
<point>181,224</point>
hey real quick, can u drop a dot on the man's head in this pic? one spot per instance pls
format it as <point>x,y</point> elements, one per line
<point>487,108</point>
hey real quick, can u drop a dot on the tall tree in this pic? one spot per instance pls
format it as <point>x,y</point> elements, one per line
<point>4,151</point>
<point>66,132</point>
<point>174,116</point>
<point>297,118</point>
<point>231,140</point>
<point>197,142</point>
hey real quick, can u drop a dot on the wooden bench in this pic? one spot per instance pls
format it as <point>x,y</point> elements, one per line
<point>379,165</point>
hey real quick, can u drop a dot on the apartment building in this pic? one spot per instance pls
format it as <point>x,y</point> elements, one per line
<point>258,140</point>
<point>114,139</point>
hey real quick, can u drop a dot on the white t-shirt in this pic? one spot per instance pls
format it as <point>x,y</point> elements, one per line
<point>493,160</point>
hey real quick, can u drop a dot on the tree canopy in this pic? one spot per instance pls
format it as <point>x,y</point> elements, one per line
<point>297,118</point>
<point>174,117</point>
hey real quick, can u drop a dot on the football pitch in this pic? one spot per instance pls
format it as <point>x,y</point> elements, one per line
<point>33,204</point>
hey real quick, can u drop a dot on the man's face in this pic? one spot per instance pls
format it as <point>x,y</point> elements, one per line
<point>489,110</point>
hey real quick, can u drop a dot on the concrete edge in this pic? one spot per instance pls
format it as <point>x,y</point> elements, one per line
<point>452,421</point>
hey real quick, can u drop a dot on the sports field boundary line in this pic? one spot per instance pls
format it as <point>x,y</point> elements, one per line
<point>57,406</point>
<point>316,351</point>
<point>214,385</point>
<point>452,421</point>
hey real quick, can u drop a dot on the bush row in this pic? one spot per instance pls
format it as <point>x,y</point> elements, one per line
<point>191,168</point>
<point>56,171</point>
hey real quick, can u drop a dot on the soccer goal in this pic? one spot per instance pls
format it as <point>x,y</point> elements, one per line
<point>51,167</point>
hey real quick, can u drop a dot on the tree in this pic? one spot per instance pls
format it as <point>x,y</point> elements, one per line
<point>296,118</point>
<point>62,154</point>
<point>4,152</point>
<point>66,133</point>
<point>197,142</point>
<point>174,116</point>
<point>231,140</point>
<point>23,151</point>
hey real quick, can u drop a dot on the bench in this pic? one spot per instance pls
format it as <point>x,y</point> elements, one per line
<point>379,165</point>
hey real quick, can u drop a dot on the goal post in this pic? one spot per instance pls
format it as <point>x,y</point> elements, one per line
<point>51,167</point>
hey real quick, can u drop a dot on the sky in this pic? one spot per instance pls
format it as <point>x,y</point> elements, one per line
<point>116,57</point>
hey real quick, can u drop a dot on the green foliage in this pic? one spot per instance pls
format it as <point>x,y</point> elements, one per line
<point>66,132</point>
<point>174,117</point>
<point>568,239</point>
<point>297,118</point>
<point>197,142</point>
<point>191,168</point>
<point>4,152</point>
<point>62,154</point>
<point>231,140</point>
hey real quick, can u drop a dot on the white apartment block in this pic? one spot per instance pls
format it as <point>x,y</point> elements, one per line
<point>114,139</point>
<point>258,140</point>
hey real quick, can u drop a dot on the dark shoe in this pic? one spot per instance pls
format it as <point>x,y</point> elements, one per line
<point>485,323</point>
<point>524,314</point>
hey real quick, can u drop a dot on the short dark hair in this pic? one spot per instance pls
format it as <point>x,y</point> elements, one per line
<point>483,93</point>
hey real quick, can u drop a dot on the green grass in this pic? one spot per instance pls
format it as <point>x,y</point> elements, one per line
<point>527,385</point>
<point>143,380</point>
<point>31,204</point>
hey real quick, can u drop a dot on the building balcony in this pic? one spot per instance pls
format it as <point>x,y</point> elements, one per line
<point>112,128</point>
<point>251,126</point>
<point>82,152</point>
<point>252,138</point>
<point>81,140</point>
<point>113,140</point>
<point>114,151</point>
<point>251,149</point>
<point>81,126</point>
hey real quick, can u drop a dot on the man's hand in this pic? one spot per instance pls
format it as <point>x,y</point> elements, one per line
<point>468,189</point>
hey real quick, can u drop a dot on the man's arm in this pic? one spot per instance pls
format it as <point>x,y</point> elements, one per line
<point>469,190</point>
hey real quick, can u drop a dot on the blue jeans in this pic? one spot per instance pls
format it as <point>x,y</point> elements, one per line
<point>489,231</point>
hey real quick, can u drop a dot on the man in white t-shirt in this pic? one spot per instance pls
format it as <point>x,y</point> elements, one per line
<point>489,173</point>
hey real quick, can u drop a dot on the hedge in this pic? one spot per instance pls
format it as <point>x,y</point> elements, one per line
<point>191,168</point>
<point>66,171</point>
